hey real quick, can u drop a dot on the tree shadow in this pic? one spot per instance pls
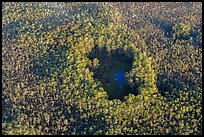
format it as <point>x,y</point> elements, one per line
<point>9,100</point>
<point>164,26</point>
<point>81,121</point>
<point>111,62</point>
<point>49,64</point>
<point>170,85</point>
<point>9,113</point>
<point>14,29</point>
<point>93,125</point>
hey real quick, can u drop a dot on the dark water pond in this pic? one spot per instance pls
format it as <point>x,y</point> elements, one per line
<point>111,72</point>
<point>120,78</point>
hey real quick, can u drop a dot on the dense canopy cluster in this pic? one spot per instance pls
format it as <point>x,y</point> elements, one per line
<point>57,58</point>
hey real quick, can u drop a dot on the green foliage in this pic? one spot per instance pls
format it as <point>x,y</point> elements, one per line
<point>51,73</point>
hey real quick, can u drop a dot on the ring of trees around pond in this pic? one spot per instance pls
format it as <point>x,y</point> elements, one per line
<point>91,69</point>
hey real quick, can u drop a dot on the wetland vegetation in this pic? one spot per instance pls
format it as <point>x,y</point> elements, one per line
<point>101,68</point>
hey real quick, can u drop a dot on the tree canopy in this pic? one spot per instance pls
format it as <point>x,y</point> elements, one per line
<point>54,55</point>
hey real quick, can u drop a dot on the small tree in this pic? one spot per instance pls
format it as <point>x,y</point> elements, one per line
<point>95,62</point>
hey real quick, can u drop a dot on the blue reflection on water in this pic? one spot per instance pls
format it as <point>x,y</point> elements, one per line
<point>120,78</point>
